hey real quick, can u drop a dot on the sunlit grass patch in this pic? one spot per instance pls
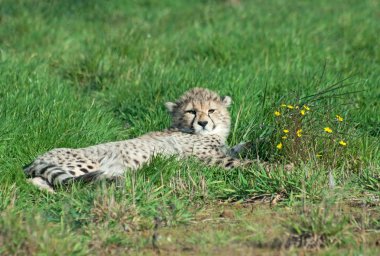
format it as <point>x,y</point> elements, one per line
<point>319,227</point>
<point>27,234</point>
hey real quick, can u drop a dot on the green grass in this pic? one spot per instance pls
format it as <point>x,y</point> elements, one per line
<point>77,73</point>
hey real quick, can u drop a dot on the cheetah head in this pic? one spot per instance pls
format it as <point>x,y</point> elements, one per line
<point>201,111</point>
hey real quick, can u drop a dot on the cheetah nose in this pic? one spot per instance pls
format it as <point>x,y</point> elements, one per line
<point>203,123</point>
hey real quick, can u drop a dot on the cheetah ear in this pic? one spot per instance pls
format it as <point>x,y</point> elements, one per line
<point>227,101</point>
<point>170,106</point>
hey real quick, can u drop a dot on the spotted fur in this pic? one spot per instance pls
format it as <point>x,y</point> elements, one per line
<point>200,127</point>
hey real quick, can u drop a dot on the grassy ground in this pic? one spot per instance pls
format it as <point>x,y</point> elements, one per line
<point>77,73</point>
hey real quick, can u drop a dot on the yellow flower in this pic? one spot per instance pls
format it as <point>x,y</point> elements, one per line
<point>283,105</point>
<point>306,107</point>
<point>279,145</point>
<point>290,106</point>
<point>339,118</point>
<point>303,112</point>
<point>319,155</point>
<point>297,107</point>
<point>286,131</point>
<point>299,132</point>
<point>277,113</point>
<point>328,130</point>
<point>284,137</point>
<point>343,143</point>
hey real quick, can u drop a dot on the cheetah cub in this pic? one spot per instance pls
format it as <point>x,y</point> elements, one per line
<point>200,127</point>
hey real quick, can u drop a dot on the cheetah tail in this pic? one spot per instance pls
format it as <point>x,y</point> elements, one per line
<point>28,170</point>
<point>51,173</point>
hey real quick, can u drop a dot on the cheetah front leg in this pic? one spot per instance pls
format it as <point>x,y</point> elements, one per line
<point>239,149</point>
<point>227,162</point>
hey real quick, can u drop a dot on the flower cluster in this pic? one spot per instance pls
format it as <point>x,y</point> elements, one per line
<point>302,111</point>
<point>303,130</point>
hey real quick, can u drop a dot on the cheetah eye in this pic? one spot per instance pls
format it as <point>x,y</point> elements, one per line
<point>191,112</point>
<point>210,111</point>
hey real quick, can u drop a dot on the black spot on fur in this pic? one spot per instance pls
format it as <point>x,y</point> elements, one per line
<point>72,172</point>
<point>84,170</point>
<point>229,164</point>
<point>79,165</point>
<point>90,167</point>
<point>136,161</point>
